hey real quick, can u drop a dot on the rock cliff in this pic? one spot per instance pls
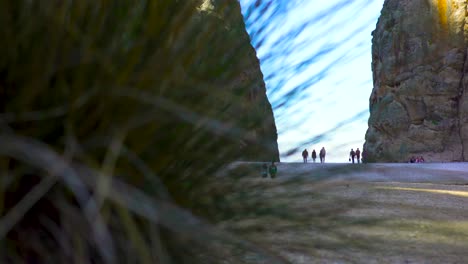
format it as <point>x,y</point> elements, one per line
<point>252,110</point>
<point>419,102</point>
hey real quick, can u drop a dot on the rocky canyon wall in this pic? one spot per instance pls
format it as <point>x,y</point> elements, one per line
<point>419,101</point>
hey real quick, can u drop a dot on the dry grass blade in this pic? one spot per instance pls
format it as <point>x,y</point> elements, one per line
<point>40,156</point>
<point>15,214</point>
<point>180,221</point>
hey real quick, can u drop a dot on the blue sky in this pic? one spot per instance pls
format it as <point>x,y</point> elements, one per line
<point>315,56</point>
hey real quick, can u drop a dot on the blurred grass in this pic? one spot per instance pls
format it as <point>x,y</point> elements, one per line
<point>114,117</point>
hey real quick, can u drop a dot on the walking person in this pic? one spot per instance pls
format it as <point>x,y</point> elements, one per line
<point>264,170</point>
<point>314,155</point>
<point>305,155</point>
<point>358,155</point>
<point>322,155</point>
<point>273,170</point>
<point>352,155</point>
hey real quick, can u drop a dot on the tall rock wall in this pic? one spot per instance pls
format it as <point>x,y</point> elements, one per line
<point>253,112</point>
<point>419,102</point>
<point>178,81</point>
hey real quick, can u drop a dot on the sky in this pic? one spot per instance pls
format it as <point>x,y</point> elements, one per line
<point>315,56</point>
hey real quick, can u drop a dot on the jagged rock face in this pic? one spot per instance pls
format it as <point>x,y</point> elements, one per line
<point>259,142</point>
<point>419,102</point>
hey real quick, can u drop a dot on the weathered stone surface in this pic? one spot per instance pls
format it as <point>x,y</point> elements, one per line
<point>418,104</point>
<point>253,112</point>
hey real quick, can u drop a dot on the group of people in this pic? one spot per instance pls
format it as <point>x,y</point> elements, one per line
<point>313,155</point>
<point>419,159</point>
<point>355,155</point>
<point>272,170</point>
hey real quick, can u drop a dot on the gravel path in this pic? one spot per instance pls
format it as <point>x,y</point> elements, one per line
<point>443,173</point>
<point>366,213</point>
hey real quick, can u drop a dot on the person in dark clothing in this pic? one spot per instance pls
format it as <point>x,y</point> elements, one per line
<point>358,155</point>
<point>305,155</point>
<point>322,155</point>
<point>264,170</point>
<point>314,155</point>
<point>273,170</point>
<point>352,155</point>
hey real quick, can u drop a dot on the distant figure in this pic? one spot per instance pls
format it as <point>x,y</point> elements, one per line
<point>305,155</point>
<point>412,159</point>
<point>419,159</point>
<point>273,170</point>
<point>314,155</point>
<point>358,155</point>
<point>264,170</point>
<point>322,155</point>
<point>352,155</point>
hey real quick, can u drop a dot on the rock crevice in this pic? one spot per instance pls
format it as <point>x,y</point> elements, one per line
<point>460,110</point>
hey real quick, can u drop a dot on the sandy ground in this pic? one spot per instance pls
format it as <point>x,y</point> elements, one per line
<point>367,213</point>
<point>448,173</point>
